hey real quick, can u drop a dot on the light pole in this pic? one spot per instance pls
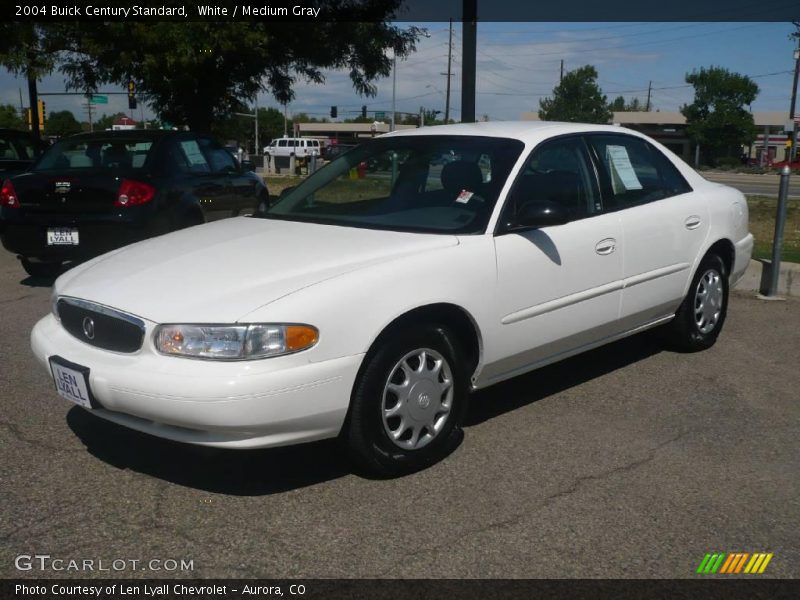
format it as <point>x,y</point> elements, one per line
<point>394,87</point>
<point>793,147</point>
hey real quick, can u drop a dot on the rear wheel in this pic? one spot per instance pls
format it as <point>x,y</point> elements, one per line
<point>700,318</point>
<point>41,269</point>
<point>408,404</point>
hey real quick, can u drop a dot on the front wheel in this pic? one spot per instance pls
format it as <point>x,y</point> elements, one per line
<point>700,318</point>
<point>408,404</point>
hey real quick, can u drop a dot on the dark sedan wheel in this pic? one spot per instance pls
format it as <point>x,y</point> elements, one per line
<point>700,318</point>
<point>408,403</point>
<point>41,269</point>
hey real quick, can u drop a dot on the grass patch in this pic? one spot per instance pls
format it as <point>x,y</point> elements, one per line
<point>762,226</point>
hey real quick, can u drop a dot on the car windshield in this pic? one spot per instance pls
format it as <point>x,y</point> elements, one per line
<point>426,183</point>
<point>95,153</point>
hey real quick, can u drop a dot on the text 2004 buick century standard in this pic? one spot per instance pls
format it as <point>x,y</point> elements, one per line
<point>370,299</point>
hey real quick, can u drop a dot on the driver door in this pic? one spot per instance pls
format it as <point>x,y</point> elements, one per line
<point>559,287</point>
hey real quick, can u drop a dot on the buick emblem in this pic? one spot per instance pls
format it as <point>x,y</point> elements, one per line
<point>424,401</point>
<point>88,328</point>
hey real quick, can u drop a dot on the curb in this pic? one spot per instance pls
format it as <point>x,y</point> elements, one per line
<point>756,278</point>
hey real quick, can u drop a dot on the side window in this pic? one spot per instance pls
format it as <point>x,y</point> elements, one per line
<point>557,171</point>
<point>193,158</point>
<point>633,172</point>
<point>219,159</point>
<point>281,143</point>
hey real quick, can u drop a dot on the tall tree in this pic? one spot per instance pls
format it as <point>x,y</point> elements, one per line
<point>27,49</point>
<point>718,119</point>
<point>578,98</point>
<point>62,123</point>
<point>192,73</point>
<point>9,117</point>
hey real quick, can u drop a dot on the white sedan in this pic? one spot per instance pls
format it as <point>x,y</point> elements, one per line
<point>368,301</point>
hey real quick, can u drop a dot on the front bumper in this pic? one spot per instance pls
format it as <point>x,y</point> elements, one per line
<point>248,404</point>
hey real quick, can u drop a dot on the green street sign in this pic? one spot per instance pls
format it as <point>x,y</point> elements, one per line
<point>380,115</point>
<point>95,99</point>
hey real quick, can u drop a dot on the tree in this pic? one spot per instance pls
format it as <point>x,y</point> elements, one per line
<point>578,98</point>
<point>62,123</point>
<point>717,120</point>
<point>620,105</point>
<point>9,117</point>
<point>192,73</point>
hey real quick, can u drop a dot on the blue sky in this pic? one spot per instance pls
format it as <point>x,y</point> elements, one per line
<point>518,63</point>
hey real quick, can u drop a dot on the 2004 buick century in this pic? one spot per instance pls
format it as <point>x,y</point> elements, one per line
<point>370,299</point>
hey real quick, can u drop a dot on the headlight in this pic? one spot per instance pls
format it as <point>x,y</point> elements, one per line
<point>234,342</point>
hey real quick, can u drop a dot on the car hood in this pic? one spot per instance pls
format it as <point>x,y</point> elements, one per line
<point>220,271</point>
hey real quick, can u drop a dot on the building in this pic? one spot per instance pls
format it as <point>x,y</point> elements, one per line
<point>122,123</point>
<point>345,133</point>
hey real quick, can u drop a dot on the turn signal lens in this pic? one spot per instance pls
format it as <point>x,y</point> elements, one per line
<point>300,337</point>
<point>8,195</point>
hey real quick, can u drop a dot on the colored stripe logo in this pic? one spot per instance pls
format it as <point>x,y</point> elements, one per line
<point>731,563</point>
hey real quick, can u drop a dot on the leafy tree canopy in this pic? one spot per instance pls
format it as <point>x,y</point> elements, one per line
<point>195,73</point>
<point>62,123</point>
<point>620,105</point>
<point>578,98</point>
<point>718,119</point>
<point>9,117</point>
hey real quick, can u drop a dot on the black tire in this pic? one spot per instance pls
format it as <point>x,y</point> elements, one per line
<point>46,270</point>
<point>365,434</point>
<point>692,330</point>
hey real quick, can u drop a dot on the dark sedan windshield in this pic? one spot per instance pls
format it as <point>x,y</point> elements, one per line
<point>430,183</point>
<point>95,153</point>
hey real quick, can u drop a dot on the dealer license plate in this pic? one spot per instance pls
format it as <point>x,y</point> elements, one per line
<point>62,236</point>
<point>71,383</point>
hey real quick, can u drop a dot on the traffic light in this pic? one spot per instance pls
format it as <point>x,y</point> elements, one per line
<point>42,117</point>
<point>30,120</point>
<point>364,112</point>
<point>334,112</point>
<point>131,94</point>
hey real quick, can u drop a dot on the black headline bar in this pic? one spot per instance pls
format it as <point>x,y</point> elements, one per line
<point>401,10</point>
<point>408,589</point>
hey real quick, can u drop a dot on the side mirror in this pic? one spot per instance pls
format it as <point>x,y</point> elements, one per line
<point>535,215</point>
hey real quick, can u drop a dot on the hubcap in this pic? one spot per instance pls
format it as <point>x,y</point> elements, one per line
<point>708,300</point>
<point>417,399</point>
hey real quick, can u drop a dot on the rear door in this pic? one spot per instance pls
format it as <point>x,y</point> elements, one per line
<point>664,223</point>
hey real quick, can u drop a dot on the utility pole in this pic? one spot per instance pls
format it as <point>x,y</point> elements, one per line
<point>394,86</point>
<point>561,76</point>
<point>449,75</point>
<point>255,104</point>
<point>468,59</point>
<point>33,98</point>
<point>21,106</point>
<point>793,141</point>
<point>649,88</point>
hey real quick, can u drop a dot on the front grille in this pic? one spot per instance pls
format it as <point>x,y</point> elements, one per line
<point>101,326</point>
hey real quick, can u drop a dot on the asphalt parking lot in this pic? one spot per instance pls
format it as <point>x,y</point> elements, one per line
<point>628,461</point>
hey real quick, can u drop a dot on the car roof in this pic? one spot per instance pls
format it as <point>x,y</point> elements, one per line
<point>525,131</point>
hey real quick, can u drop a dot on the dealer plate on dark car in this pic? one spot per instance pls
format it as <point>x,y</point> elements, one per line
<point>72,381</point>
<point>62,236</point>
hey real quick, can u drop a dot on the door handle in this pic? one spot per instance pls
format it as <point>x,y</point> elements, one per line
<point>692,222</point>
<point>606,246</point>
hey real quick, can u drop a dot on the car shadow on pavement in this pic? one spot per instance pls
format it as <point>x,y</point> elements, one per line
<point>552,379</point>
<point>237,472</point>
<point>31,281</point>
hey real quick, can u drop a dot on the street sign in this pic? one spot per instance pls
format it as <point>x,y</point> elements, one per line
<point>96,99</point>
<point>380,115</point>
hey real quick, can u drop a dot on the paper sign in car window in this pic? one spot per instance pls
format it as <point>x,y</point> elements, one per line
<point>623,177</point>
<point>193,153</point>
